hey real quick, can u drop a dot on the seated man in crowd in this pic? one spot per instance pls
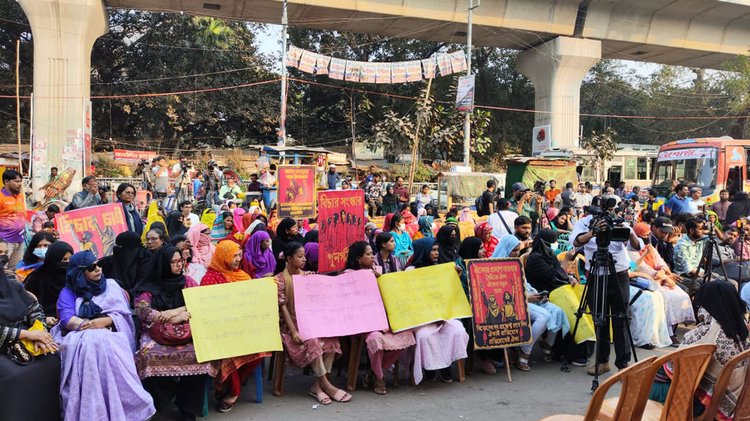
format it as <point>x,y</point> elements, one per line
<point>687,254</point>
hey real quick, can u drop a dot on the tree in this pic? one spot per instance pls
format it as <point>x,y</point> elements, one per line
<point>602,147</point>
<point>737,85</point>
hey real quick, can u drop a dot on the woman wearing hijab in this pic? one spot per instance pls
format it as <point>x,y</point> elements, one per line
<point>465,215</point>
<point>390,201</point>
<point>438,344</point>
<point>175,223</point>
<point>545,316</point>
<point>318,353</point>
<point>721,315</point>
<point>48,280</point>
<point>448,242</point>
<point>311,257</point>
<point>232,372</point>
<point>169,372</point>
<point>26,381</point>
<point>425,227</point>
<point>127,265</point>
<point>237,215</point>
<point>97,341</point>
<point>257,259</point>
<point>483,231</point>
<point>34,255</point>
<point>199,236</point>
<point>286,232</point>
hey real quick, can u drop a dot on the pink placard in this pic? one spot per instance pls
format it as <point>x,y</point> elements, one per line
<point>334,306</point>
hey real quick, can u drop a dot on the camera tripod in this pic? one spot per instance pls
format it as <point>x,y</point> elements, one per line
<point>602,267</point>
<point>706,261</point>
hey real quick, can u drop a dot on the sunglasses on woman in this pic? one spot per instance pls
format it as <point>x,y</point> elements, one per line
<point>92,267</point>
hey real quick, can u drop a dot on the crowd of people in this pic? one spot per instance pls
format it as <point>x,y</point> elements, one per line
<point>111,336</point>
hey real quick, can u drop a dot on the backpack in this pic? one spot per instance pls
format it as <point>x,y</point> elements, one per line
<point>479,204</point>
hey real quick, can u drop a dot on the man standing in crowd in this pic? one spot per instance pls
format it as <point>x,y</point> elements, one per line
<point>694,203</point>
<point>161,178</point>
<point>374,195</point>
<point>332,177</point>
<point>584,196</point>
<point>180,172</point>
<point>523,200</point>
<point>553,191</point>
<point>370,176</point>
<point>583,235</point>
<point>197,184</point>
<point>211,182</point>
<point>12,223</point>
<point>488,199</point>
<point>739,208</point>
<point>678,203</point>
<point>633,193</point>
<point>721,206</point>
<point>502,220</point>
<point>569,198</point>
<point>661,239</point>
<point>621,191</point>
<point>88,197</point>
<point>254,185</point>
<point>401,191</point>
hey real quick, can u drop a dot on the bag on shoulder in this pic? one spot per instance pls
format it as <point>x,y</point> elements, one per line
<point>170,334</point>
<point>479,203</point>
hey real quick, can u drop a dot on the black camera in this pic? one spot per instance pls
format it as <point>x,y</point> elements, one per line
<point>603,210</point>
<point>105,188</point>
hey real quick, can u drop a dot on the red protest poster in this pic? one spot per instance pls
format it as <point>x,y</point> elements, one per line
<point>93,228</point>
<point>296,191</point>
<point>498,301</point>
<point>341,222</point>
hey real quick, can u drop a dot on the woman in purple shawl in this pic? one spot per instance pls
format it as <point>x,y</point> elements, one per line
<point>97,341</point>
<point>257,258</point>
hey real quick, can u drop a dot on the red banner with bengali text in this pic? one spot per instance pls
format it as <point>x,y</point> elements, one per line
<point>296,191</point>
<point>134,156</point>
<point>341,222</point>
<point>498,302</point>
<point>93,228</point>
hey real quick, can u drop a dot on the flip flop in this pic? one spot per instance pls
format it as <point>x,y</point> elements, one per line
<point>341,396</point>
<point>321,397</point>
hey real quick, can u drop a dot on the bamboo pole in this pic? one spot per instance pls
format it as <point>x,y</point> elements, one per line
<point>415,147</point>
<point>18,104</point>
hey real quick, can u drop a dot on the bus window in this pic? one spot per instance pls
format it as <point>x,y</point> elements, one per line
<point>734,180</point>
<point>696,166</point>
<point>642,169</point>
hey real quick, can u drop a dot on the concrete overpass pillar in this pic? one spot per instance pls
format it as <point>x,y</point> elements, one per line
<point>557,68</point>
<point>63,32</point>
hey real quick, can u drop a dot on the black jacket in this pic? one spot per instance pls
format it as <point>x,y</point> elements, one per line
<point>544,275</point>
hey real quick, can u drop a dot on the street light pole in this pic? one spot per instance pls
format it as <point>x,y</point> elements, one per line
<point>282,118</point>
<point>467,117</point>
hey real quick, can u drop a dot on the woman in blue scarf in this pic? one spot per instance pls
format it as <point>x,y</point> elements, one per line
<point>97,341</point>
<point>545,316</point>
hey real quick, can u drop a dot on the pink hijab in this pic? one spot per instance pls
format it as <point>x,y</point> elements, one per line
<point>238,213</point>
<point>203,249</point>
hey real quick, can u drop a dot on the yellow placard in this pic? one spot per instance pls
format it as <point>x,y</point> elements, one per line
<point>420,296</point>
<point>568,298</point>
<point>234,319</point>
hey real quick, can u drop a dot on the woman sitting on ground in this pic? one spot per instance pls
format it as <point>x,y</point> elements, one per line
<point>385,245</point>
<point>286,232</point>
<point>30,385</point>
<point>394,224</point>
<point>483,231</point>
<point>425,227</point>
<point>721,315</point>
<point>472,248</point>
<point>547,319</point>
<point>97,341</point>
<point>46,282</point>
<point>385,347</point>
<point>33,257</point>
<point>448,241</point>
<point>232,372</point>
<point>167,365</point>
<point>318,353</point>
<point>155,239</point>
<point>560,220</point>
<point>127,264</point>
<point>258,260</point>
<point>439,344</point>
<point>649,264</point>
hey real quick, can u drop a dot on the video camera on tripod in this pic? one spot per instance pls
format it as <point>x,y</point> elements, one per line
<point>602,209</point>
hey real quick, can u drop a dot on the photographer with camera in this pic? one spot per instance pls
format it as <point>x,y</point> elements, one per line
<point>526,203</point>
<point>143,170</point>
<point>181,173</point>
<point>597,232</point>
<point>88,197</point>
<point>211,181</point>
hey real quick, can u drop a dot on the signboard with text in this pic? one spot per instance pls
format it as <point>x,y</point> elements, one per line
<point>341,221</point>
<point>94,228</point>
<point>296,191</point>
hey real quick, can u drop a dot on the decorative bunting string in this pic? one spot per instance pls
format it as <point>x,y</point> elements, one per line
<point>369,72</point>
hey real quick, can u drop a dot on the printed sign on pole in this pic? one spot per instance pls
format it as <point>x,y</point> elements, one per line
<point>465,93</point>
<point>540,139</point>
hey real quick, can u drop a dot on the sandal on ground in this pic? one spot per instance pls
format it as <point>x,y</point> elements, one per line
<point>523,362</point>
<point>341,396</point>
<point>546,353</point>
<point>380,387</point>
<point>321,397</point>
<point>224,407</point>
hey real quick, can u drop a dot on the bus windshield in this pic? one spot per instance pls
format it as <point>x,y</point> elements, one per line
<point>690,166</point>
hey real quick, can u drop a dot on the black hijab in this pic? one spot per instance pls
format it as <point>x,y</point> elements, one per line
<point>174,225</point>
<point>14,301</point>
<point>48,280</point>
<point>311,237</point>
<point>724,304</point>
<point>165,287</point>
<point>542,243</point>
<point>28,256</point>
<point>283,239</point>
<point>448,245</point>
<point>128,260</point>
<point>422,250</point>
<point>470,248</point>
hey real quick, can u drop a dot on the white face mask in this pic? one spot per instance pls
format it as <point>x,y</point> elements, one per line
<point>402,227</point>
<point>553,246</point>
